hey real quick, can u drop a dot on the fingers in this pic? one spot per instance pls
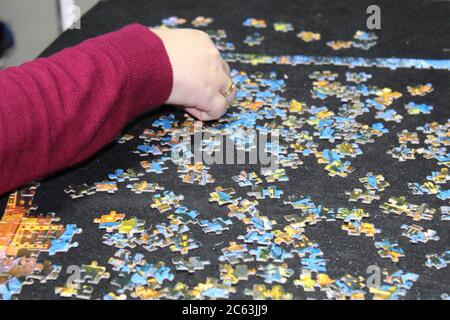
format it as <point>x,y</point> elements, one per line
<point>197,113</point>
<point>232,95</point>
<point>212,110</point>
<point>219,106</point>
<point>215,106</point>
<point>225,91</point>
<point>212,104</point>
<point>226,67</point>
<point>227,82</point>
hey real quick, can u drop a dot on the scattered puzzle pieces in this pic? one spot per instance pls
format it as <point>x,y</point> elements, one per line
<point>266,241</point>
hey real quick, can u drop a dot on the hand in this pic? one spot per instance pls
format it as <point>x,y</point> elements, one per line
<point>200,76</point>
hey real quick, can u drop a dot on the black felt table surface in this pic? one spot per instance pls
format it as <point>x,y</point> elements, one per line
<point>409,30</point>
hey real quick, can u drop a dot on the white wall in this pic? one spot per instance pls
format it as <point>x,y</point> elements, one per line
<point>35,25</point>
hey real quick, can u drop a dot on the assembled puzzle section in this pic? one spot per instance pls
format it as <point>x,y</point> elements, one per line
<point>24,238</point>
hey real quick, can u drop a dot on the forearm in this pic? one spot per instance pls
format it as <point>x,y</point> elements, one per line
<point>57,111</point>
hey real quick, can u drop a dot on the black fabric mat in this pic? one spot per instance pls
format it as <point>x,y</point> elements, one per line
<point>409,29</point>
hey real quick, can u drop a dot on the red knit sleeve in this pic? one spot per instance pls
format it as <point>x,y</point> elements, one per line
<point>57,111</point>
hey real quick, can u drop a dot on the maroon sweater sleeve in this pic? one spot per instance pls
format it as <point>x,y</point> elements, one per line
<point>57,111</point>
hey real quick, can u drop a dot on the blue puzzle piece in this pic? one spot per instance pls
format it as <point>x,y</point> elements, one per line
<point>185,215</point>
<point>415,108</point>
<point>64,242</point>
<point>272,252</point>
<point>217,225</point>
<point>10,288</point>
<point>145,149</point>
<point>444,194</point>
<point>165,121</point>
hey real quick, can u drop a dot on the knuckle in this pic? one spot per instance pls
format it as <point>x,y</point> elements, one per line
<point>214,52</point>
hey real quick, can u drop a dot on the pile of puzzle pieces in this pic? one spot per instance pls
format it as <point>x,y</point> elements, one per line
<point>270,252</point>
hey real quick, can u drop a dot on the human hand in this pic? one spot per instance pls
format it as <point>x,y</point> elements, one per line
<point>201,79</point>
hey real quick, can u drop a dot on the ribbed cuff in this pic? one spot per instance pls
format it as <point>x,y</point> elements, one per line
<point>150,72</point>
